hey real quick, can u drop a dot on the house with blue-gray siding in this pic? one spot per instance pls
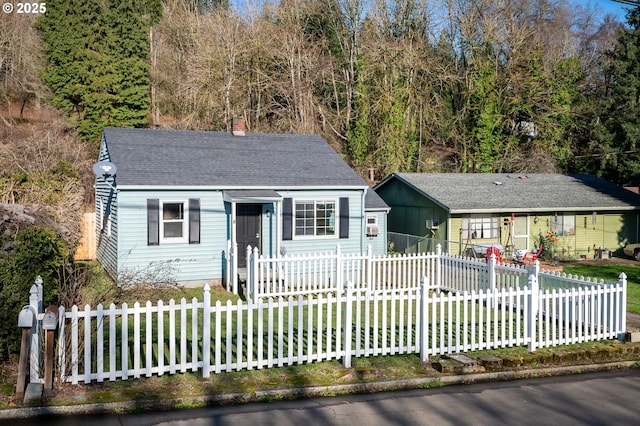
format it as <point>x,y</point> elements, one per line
<point>179,199</point>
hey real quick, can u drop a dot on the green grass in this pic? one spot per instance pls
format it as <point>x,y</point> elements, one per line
<point>611,273</point>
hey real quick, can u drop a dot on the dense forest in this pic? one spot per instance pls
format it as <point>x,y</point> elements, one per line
<point>393,85</point>
<point>406,85</point>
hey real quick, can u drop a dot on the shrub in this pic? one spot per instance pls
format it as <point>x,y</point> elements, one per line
<point>34,251</point>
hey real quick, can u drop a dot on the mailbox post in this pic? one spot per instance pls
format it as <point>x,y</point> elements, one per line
<point>26,321</point>
<point>49,325</point>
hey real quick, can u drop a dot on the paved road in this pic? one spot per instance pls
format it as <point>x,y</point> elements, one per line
<point>588,399</point>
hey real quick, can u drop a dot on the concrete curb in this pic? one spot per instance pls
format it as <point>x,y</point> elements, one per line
<point>318,391</point>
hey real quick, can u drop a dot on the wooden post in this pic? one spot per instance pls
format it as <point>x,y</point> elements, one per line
<point>24,361</point>
<point>50,325</point>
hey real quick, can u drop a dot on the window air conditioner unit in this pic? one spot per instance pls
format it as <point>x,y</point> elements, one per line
<point>372,230</point>
<point>432,224</point>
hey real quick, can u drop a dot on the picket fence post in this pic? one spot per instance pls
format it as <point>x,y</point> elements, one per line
<point>234,267</point>
<point>368,280</point>
<point>492,271</point>
<point>339,272</point>
<point>533,311</point>
<point>623,306</point>
<point>227,258</point>
<point>206,331</point>
<point>438,283</point>
<point>252,276</point>
<point>35,301</point>
<point>348,309</point>
<point>424,317</point>
<point>248,260</point>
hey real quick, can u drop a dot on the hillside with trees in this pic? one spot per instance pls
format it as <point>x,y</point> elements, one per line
<point>405,85</point>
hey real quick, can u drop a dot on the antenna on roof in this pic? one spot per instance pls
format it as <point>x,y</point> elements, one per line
<point>105,170</point>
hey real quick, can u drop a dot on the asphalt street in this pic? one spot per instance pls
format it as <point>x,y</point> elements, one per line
<point>611,398</point>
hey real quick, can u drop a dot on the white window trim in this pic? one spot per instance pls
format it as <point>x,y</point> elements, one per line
<point>374,217</point>
<point>563,216</point>
<point>185,222</point>
<point>336,233</point>
<point>467,233</point>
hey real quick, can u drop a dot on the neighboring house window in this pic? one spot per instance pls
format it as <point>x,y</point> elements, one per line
<point>315,218</point>
<point>372,225</point>
<point>479,227</point>
<point>564,224</point>
<point>173,221</point>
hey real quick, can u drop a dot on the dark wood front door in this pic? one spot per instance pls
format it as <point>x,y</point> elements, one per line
<point>247,229</point>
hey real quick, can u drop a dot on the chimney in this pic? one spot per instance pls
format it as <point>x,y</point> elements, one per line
<point>237,126</point>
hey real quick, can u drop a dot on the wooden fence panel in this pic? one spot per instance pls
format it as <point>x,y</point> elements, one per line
<point>86,249</point>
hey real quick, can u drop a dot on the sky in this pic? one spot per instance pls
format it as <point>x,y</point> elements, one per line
<point>607,7</point>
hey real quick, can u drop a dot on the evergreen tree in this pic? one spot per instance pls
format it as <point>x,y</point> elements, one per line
<point>623,113</point>
<point>98,54</point>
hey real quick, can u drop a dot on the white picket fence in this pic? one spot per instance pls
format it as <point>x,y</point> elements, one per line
<point>119,343</point>
<point>327,272</point>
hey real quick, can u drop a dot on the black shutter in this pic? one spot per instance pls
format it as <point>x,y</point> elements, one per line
<point>194,221</point>
<point>287,219</point>
<point>153,221</point>
<point>344,217</point>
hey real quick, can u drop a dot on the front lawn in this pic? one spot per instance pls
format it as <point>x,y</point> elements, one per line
<point>611,273</point>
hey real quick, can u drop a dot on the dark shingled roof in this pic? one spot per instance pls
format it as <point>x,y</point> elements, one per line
<point>491,192</point>
<point>192,158</point>
<point>372,201</point>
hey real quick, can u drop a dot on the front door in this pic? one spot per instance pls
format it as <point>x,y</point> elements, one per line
<point>247,229</point>
<point>521,233</point>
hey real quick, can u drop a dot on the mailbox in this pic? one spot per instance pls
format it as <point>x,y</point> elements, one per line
<point>26,317</point>
<point>50,320</point>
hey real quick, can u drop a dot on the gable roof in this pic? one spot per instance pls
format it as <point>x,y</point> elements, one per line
<point>178,158</point>
<point>498,192</point>
<point>372,201</point>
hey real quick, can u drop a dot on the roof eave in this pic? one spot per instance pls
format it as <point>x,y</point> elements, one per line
<point>546,210</point>
<point>228,188</point>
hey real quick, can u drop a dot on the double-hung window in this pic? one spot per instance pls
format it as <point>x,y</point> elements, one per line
<point>173,226</point>
<point>173,221</point>
<point>315,218</point>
